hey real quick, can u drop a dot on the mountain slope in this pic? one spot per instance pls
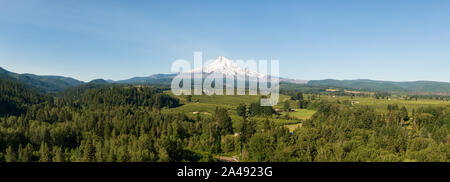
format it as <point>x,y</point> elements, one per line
<point>44,84</point>
<point>15,97</point>
<point>164,79</point>
<point>227,67</point>
<point>220,65</point>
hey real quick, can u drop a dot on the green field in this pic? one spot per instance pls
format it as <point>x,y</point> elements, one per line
<point>381,105</point>
<point>205,105</point>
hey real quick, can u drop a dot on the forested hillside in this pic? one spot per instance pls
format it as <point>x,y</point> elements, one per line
<point>107,122</point>
<point>43,84</point>
<point>55,84</point>
<point>15,98</point>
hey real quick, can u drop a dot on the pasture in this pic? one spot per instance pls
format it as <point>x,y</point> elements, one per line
<point>381,105</point>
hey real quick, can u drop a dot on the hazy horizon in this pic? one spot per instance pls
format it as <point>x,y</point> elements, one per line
<point>172,73</point>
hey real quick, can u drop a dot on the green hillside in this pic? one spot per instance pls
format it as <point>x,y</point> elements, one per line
<point>15,97</point>
<point>43,84</point>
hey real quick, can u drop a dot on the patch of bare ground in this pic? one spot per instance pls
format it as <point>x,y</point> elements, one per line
<point>227,159</point>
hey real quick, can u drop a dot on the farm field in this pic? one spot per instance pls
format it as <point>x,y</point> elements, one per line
<point>205,105</point>
<point>380,105</point>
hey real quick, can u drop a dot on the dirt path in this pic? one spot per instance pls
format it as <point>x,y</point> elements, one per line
<point>227,159</point>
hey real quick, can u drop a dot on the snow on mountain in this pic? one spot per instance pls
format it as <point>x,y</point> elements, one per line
<point>227,67</point>
<point>220,65</point>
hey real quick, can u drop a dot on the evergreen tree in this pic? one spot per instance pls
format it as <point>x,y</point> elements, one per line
<point>404,113</point>
<point>45,155</point>
<point>225,125</point>
<point>89,151</point>
<point>10,156</point>
<point>241,110</point>
<point>286,106</point>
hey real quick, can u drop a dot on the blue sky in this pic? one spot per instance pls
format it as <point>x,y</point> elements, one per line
<point>397,40</point>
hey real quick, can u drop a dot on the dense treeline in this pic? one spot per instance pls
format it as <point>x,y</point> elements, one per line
<point>342,133</point>
<point>108,123</point>
<point>431,97</point>
<point>129,123</point>
<point>117,95</point>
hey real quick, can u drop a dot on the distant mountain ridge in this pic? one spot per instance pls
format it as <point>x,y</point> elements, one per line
<point>53,84</point>
<point>46,84</point>
<point>220,65</point>
<point>153,79</point>
<point>99,81</point>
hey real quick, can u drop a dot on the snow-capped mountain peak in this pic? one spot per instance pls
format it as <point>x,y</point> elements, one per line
<point>227,67</point>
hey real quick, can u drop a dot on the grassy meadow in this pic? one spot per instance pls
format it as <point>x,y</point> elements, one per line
<point>381,105</point>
